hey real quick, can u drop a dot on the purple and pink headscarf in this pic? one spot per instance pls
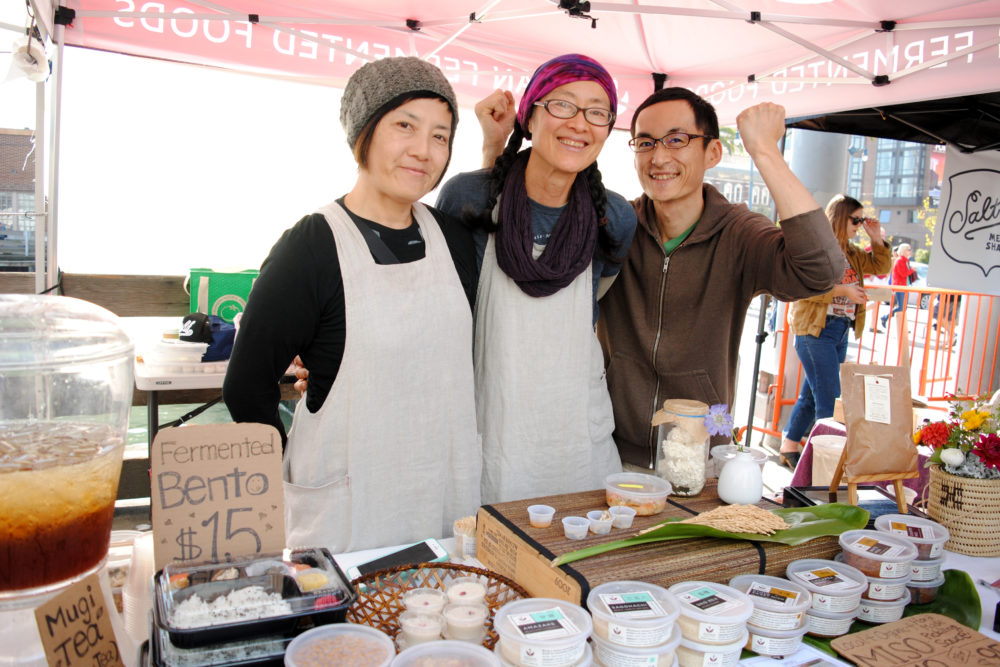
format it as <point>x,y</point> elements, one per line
<point>558,72</point>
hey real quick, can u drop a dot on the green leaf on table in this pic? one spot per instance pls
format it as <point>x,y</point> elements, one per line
<point>805,523</point>
<point>957,598</point>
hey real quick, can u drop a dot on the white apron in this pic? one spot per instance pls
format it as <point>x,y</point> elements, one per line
<point>541,398</point>
<point>393,456</point>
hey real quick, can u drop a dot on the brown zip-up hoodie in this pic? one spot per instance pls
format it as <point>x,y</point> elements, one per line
<point>671,326</point>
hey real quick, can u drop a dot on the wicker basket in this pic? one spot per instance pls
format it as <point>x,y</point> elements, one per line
<point>970,510</point>
<point>380,594</point>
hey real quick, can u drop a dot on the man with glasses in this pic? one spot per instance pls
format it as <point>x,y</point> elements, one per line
<point>671,323</point>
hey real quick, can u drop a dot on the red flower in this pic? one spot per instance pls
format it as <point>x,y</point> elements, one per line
<point>988,450</point>
<point>935,434</point>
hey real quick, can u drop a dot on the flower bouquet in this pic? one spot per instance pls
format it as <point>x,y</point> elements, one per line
<point>964,490</point>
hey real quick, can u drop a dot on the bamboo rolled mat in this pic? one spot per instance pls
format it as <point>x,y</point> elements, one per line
<point>661,563</point>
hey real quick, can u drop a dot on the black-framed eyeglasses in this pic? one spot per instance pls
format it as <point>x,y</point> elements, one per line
<point>857,219</point>
<point>669,140</point>
<point>565,110</point>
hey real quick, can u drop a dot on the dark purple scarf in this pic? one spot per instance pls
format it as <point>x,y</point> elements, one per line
<point>569,250</point>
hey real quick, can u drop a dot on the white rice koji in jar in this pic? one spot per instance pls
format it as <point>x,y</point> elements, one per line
<point>711,613</point>
<point>774,643</point>
<point>835,587</point>
<point>633,613</point>
<point>542,632</point>
<point>879,611</point>
<point>698,654</point>
<point>829,623</point>
<point>778,604</point>
<point>877,553</point>
<point>615,655</point>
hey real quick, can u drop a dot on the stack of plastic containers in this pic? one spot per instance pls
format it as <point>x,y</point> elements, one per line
<point>885,559</point>
<point>543,631</point>
<point>836,591</point>
<point>713,623</point>
<point>929,538</point>
<point>778,621</point>
<point>635,623</point>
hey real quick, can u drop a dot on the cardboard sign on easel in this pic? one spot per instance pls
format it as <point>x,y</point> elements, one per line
<point>878,413</point>
<point>216,492</point>
<point>75,627</point>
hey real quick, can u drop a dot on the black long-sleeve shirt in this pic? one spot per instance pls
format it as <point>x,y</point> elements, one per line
<point>297,307</point>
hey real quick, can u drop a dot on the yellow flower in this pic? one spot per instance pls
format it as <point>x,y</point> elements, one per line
<point>916,437</point>
<point>973,419</point>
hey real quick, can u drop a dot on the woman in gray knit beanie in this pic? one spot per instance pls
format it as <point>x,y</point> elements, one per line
<point>374,293</point>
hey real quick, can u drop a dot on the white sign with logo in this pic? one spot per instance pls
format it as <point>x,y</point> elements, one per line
<point>966,252</point>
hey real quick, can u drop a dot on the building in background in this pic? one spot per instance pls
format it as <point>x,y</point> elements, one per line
<point>17,200</point>
<point>900,181</point>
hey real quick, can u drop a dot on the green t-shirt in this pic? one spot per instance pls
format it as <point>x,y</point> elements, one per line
<point>671,245</point>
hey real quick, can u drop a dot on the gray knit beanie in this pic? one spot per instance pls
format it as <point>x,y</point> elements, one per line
<point>379,82</point>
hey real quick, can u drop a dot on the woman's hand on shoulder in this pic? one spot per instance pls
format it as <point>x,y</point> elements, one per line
<point>301,376</point>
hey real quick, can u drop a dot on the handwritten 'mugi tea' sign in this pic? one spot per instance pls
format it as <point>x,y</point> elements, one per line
<point>75,627</point>
<point>216,492</point>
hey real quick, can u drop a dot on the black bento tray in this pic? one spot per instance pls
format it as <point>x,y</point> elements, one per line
<point>308,609</point>
<point>159,656</point>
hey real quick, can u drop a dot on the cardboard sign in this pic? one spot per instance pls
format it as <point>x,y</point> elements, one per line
<point>75,627</point>
<point>216,492</point>
<point>924,640</point>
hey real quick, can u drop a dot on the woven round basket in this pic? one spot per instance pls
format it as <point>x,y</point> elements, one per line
<point>380,594</point>
<point>970,510</point>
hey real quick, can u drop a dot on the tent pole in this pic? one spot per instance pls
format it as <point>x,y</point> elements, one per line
<point>52,219</point>
<point>41,210</point>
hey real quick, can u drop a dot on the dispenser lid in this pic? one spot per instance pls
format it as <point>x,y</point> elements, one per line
<point>42,331</point>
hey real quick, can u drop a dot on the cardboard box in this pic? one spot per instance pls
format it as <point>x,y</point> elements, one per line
<point>508,545</point>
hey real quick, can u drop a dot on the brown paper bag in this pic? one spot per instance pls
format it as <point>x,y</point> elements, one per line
<point>874,447</point>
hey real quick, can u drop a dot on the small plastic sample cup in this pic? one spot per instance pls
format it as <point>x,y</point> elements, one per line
<point>467,590</point>
<point>540,516</point>
<point>465,622</point>
<point>622,516</point>
<point>416,627</point>
<point>575,527</point>
<point>600,521</point>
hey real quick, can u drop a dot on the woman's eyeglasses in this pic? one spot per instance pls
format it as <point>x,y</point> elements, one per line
<point>857,220</point>
<point>563,109</point>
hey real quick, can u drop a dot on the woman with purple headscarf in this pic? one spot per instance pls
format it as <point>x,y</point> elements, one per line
<point>547,233</point>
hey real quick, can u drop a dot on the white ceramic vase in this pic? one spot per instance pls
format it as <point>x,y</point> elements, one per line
<point>740,480</point>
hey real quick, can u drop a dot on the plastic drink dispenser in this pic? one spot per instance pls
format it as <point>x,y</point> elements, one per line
<point>65,394</point>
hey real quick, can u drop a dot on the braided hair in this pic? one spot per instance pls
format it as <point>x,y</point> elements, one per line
<point>608,249</point>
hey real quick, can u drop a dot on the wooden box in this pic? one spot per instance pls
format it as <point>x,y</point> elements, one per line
<point>508,545</point>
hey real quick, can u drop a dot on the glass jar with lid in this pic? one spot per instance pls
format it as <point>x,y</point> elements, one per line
<point>682,439</point>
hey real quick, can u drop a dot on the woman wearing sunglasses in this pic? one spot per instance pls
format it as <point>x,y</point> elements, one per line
<point>548,232</point>
<point>821,323</point>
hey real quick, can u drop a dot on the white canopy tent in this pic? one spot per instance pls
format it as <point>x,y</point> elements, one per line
<point>811,56</point>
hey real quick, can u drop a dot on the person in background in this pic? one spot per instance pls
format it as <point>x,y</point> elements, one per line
<point>902,274</point>
<point>547,233</point>
<point>374,291</point>
<point>821,323</point>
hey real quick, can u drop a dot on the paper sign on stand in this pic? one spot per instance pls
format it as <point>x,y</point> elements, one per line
<point>216,493</point>
<point>76,629</point>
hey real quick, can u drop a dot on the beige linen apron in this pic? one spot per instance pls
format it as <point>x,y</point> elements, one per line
<point>541,397</point>
<point>393,455</point>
